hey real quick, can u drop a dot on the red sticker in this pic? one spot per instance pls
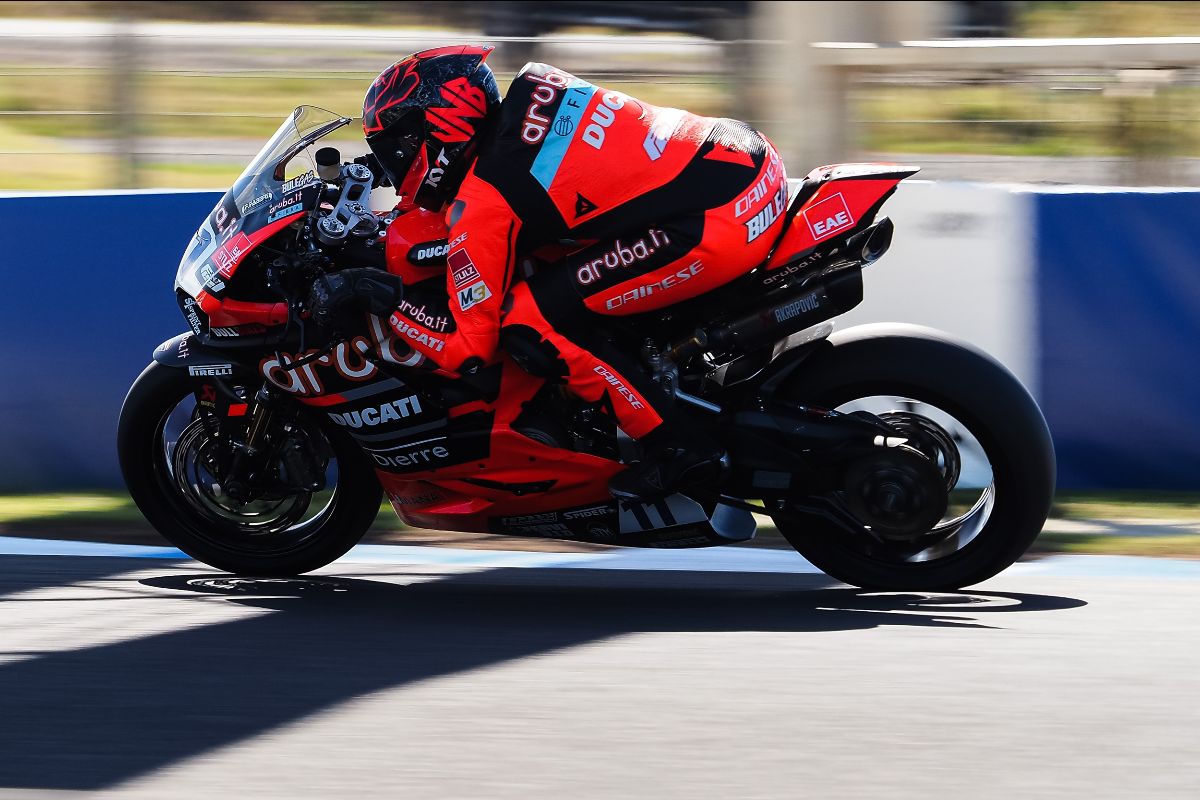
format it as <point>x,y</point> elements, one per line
<point>463,270</point>
<point>828,217</point>
<point>228,256</point>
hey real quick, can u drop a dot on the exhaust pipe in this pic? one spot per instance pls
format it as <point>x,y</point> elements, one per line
<point>821,300</point>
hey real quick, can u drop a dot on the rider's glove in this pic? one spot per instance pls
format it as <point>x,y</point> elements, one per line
<point>334,295</point>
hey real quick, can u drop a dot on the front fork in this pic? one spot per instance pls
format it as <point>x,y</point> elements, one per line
<point>258,437</point>
<point>248,454</point>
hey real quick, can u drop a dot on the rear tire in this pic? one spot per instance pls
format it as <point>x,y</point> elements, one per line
<point>928,366</point>
<point>354,505</point>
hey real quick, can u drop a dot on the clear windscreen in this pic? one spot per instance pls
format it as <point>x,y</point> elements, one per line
<point>271,188</point>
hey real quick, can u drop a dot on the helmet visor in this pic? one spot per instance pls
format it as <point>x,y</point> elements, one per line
<point>396,152</point>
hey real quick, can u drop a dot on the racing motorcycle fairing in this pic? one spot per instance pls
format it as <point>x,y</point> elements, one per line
<point>277,189</point>
<point>489,458</point>
<point>832,203</point>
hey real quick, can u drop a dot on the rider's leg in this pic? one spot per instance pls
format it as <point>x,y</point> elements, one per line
<point>549,320</point>
<point>551,334</point>
<point>678,453</point>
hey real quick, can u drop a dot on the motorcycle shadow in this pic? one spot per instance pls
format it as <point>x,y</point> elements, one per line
<point>614,602</point>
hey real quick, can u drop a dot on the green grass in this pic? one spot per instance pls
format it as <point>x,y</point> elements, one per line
<point>25,165</point>
<point>43,150</point>
<point>96,508</point>
<point>1176,546</point>
<point>1063,116</point>
<point>1112,505</point>
<point>1056,117</point>
<point>108,507</point>
<point>290,12</point>
<point>1120,505</point>
<point>984,119</point>
<point>1109,18</point>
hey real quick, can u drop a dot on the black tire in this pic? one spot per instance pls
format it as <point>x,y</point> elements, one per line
<point>929,366</point>
<point>352,509</point>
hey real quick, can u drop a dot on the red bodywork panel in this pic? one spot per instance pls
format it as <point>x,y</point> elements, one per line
<point>513,459</point>
<point>416,245</point>
<point>233,313</point>
<point>226,312</point>
<point>467,494</point>
<point>847,193</point>
<point>443,502</point>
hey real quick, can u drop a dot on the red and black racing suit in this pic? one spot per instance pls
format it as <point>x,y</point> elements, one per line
<point>675,205</point>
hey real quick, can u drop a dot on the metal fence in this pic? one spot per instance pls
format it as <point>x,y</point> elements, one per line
<point>1119,126</point>
<point>1094,111</point>
<point>120,103</point>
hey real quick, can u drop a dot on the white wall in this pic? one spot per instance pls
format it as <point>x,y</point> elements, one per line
<point>961,261</point>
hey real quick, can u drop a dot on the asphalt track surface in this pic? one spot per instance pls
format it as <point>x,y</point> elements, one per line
<point>424,672</point>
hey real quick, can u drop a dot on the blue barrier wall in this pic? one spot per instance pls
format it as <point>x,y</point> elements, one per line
<point>1118,288</point>
<point>87,295</point>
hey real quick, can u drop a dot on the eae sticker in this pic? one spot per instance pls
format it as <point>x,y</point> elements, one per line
<point>828,217</point>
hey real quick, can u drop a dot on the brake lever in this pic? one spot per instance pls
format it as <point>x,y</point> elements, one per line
<point>308,359</point>
<point>295,318</point>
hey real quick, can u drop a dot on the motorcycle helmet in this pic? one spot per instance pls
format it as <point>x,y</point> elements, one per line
<point>424,118</point>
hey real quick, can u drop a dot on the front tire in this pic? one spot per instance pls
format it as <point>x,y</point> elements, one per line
<point>931,368</point>
<point>290,547</point>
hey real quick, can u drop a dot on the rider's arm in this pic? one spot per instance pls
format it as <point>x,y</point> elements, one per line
<point>479,272</point>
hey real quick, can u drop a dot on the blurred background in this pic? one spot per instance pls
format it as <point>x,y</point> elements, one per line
<point>1053,223</point>
<point>97,95</point>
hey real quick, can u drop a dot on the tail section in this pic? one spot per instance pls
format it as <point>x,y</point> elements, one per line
<point>833,202</point>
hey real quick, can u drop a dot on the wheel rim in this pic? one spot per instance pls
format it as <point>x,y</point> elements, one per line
<point>968,473</point>
<point>272,524</point>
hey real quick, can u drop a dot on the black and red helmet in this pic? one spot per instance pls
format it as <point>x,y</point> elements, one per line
<point>424,118</point>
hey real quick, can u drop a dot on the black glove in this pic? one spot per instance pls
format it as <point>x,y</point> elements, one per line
<point>335,295</point>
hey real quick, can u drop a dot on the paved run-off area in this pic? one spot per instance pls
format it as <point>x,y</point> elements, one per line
<point>425,672</point>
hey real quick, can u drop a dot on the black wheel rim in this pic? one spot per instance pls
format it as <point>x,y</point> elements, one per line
<point>271,525</point>
<point>966,468</point>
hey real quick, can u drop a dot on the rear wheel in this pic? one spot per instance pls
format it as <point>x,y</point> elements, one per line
<point>172,462</point>
<point>967,423</point>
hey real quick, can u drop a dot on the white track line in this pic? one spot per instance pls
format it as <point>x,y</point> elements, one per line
<point>713,559</point>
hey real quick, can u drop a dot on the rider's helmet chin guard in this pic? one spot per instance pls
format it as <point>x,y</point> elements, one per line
<point>425,116</point>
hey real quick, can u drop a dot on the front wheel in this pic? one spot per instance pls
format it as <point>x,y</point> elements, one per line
<point>170,452</point>
<point>974,422</point>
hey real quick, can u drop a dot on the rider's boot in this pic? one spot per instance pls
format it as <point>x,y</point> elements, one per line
<point>677,457</point>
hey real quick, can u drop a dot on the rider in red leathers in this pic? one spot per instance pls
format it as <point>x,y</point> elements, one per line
<point>664,205</point>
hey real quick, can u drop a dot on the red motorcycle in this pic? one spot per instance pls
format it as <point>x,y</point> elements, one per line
<point>890,456</point>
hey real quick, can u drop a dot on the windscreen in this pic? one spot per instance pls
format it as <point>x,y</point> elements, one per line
<point>278,184</point>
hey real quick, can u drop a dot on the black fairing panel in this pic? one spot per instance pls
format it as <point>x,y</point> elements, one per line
<point>186,352</point>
